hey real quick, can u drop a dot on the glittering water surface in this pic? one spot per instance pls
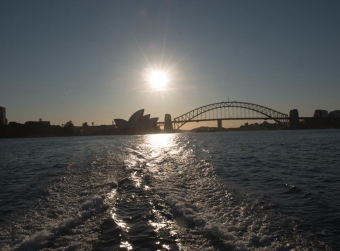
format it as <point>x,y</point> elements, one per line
<point>275,190</point>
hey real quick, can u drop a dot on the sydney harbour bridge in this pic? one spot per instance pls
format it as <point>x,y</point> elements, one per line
<point>230,110</point>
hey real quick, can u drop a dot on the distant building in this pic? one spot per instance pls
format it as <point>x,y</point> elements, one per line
<point>47,123</point>
<point>334,114</point>
<point>320,113</point>
<point>137,123</point>
<point>3,120</point>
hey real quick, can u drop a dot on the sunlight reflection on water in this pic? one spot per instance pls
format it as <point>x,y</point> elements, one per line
<point>120,222</point>
<point>160,147</point>
<point>223,191</point>
<point>126,244</point>
<point>160,142</point>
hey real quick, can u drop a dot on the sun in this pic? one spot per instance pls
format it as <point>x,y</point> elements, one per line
<point>158,79</point>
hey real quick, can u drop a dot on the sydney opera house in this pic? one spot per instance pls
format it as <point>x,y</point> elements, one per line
<point>138,123</point>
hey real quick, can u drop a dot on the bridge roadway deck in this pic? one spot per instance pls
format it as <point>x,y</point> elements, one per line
<point>252,118</point>
<point>214,119</point>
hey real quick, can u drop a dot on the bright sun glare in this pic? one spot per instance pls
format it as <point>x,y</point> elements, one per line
<point>158,79</point>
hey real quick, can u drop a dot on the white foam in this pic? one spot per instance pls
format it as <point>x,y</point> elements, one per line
<point>207,214</point>
<point>66,213</point>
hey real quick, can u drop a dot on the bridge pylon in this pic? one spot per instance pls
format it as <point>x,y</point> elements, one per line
<point>168,123</point>
<point>294,119</point>
<point>219,124</point>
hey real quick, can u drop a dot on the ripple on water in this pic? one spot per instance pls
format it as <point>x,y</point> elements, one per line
<point>223,191</point>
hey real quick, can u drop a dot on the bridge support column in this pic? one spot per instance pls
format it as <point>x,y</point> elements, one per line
<point>167,123</point>
<point>219,124</point>
<point>294,119</point>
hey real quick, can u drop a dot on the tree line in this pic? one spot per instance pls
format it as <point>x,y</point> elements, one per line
<point>35,129</point>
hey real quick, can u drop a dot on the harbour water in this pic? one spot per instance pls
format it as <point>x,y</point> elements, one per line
<point>269,190</point>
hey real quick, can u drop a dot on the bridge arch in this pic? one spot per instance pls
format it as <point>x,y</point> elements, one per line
<point>196,114</point>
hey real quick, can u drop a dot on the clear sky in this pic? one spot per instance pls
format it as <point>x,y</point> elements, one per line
<point>86,61</point>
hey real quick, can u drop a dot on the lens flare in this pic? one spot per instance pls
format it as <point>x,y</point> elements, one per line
<point>158,79</point>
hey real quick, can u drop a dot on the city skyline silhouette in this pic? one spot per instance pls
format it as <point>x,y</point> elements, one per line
<point>89,61</point>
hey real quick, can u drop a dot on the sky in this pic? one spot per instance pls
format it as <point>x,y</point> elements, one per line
<point>87,61</point>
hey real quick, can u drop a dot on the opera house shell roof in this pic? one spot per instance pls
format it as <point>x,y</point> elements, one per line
<point>137,121</point>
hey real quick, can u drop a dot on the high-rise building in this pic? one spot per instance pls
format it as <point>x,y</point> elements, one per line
<point>3,120</point>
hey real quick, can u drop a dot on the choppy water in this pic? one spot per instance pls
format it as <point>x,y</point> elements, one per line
<point>275,190</point>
